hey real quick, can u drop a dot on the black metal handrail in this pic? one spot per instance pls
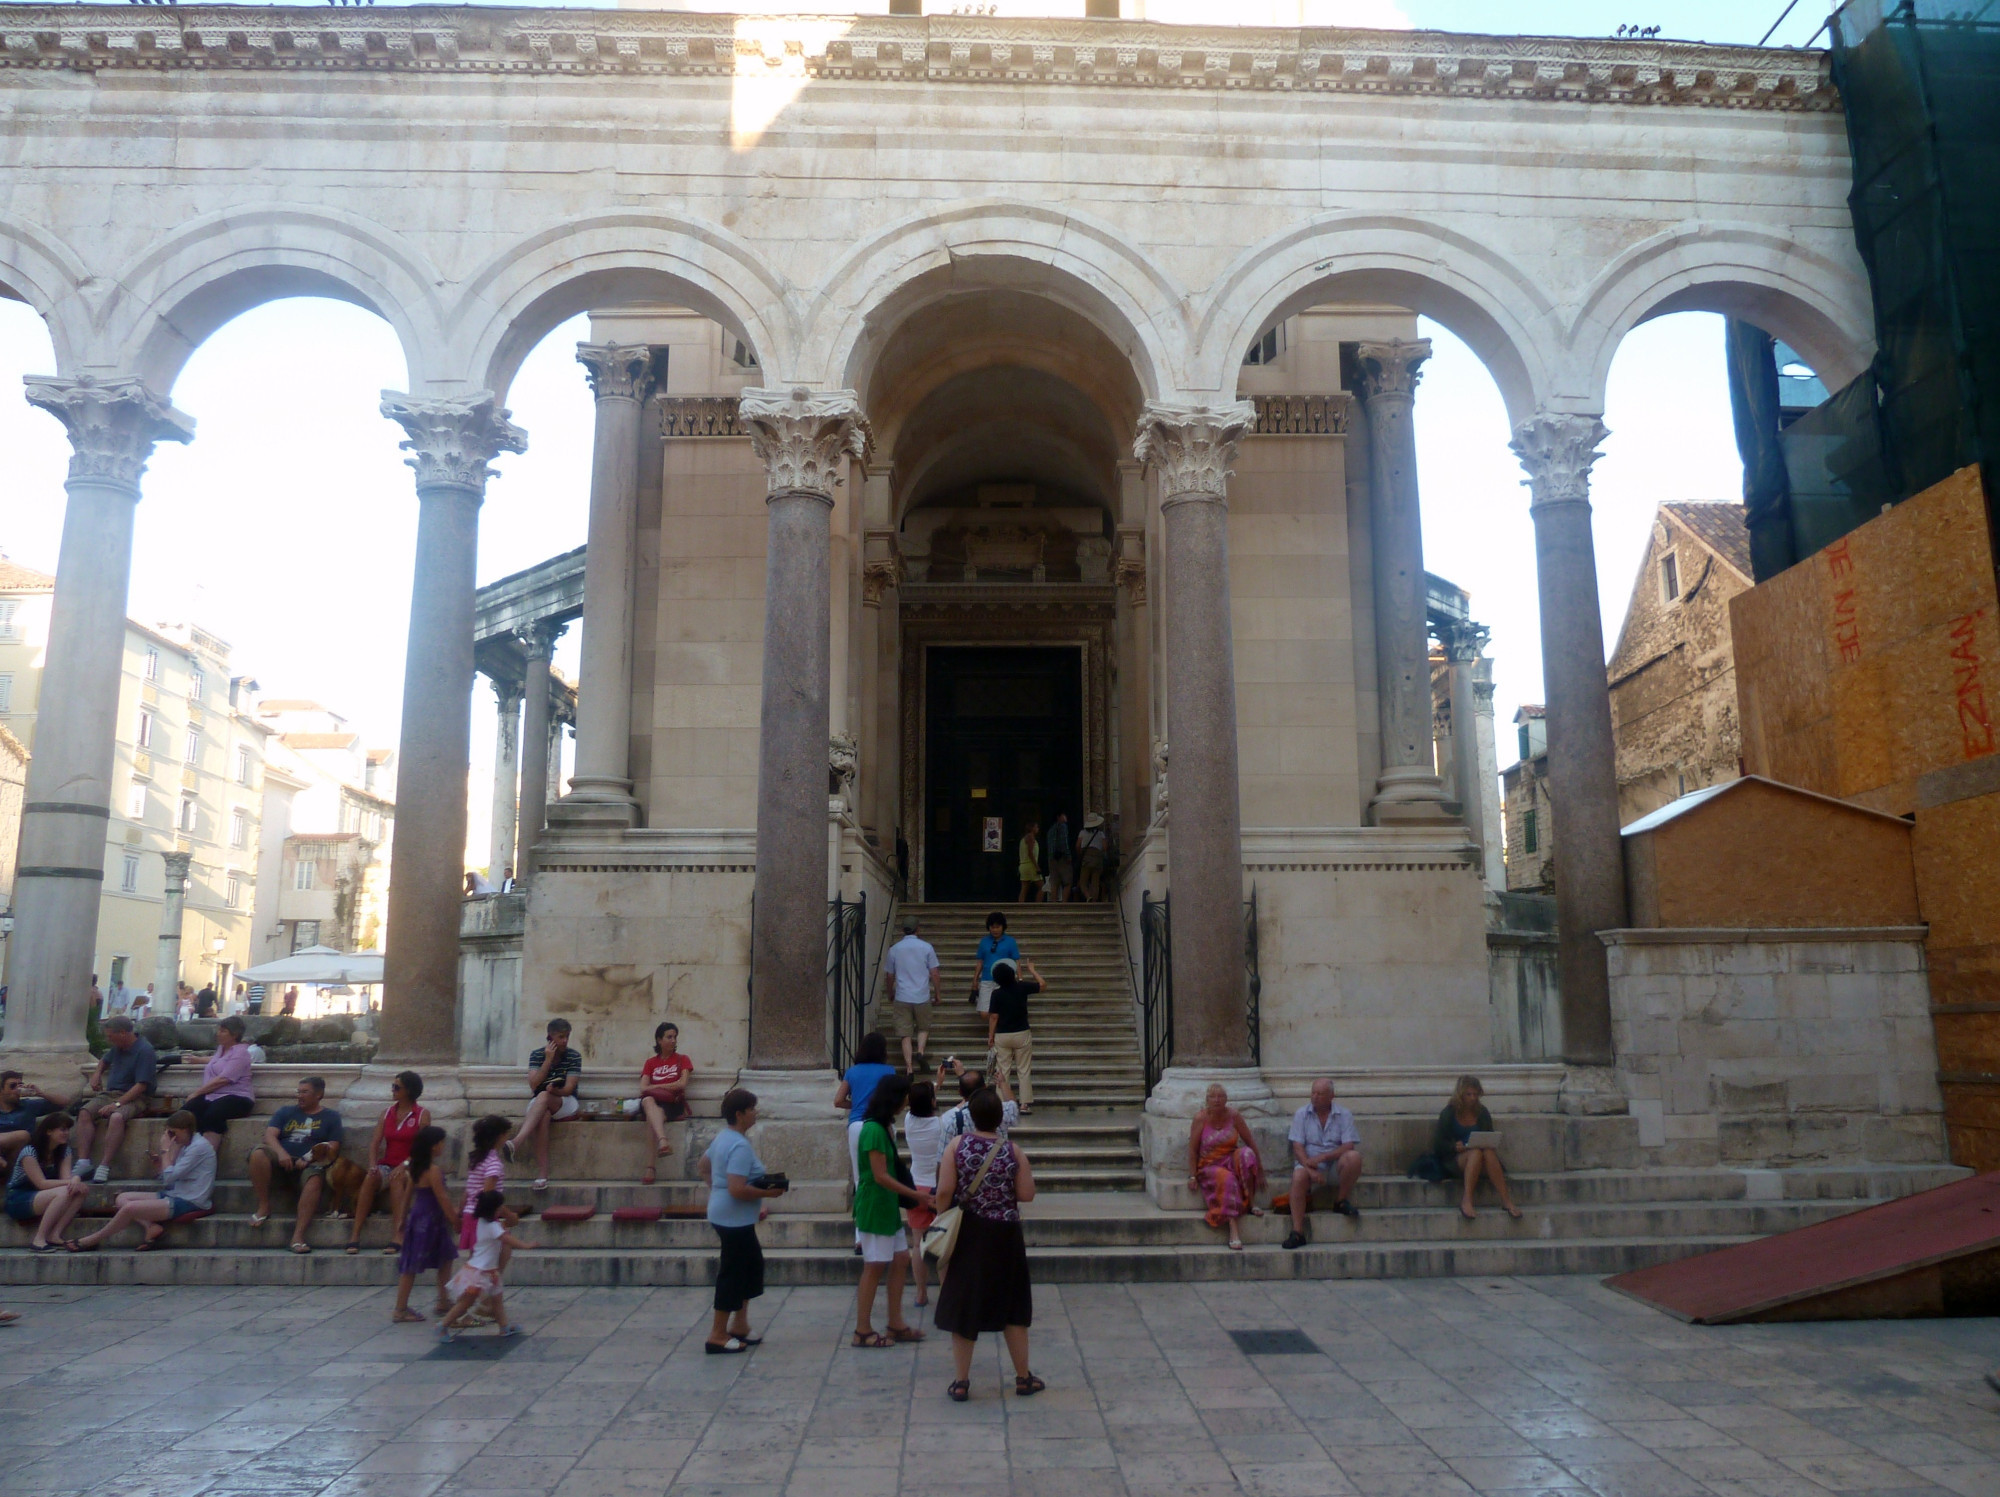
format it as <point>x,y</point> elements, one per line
<point>1156,1000</point>
<point>846,977</point>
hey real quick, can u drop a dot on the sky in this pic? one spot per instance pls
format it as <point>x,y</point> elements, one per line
<point>287,526</point>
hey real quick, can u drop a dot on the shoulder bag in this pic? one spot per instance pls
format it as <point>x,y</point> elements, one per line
<point>941,1236</point>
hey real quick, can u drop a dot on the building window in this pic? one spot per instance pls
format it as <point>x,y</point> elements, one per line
<point>1267,348</point>
<point>188,809</point>
<point>232,890</point>
<point>8,628</point>
<point>742,356</point>
<point>195,681</point>
<point>135,803</point>
<point>1100,10</point>
<point>1524,740</point>
<point>305,933</point>
<point>152,664</point>
<point>1529,840</point>
<point>6,693</point>
<point>239,828</point>
<point>1670,578</point>
<point>303,874</point>
<point>194,748</point>
<point>243,763</point>
<point>128,877</point>
<point>350,818</point>
<point>145,730</point>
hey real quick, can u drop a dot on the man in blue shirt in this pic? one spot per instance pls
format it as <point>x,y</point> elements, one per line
<point>20,1106</point>
<point>996,945</point>
<point>300,1145</point>
<point>123,1082</point>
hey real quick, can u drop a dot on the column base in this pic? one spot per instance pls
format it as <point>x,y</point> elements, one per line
<point>799,1130</point>
<point>59,1072</point>
<point>1163,1130</point>
<point>367,1097</point>
<point>595,807</point>
<point>1411,795</point>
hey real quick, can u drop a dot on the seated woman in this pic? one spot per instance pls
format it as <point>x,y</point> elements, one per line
<point>40,1188</point>
<point>226,1092</point>
<point>1223,1164</point>
<point>389,1160</point>
<point>187,1183</point>
<point>1463,1116</point>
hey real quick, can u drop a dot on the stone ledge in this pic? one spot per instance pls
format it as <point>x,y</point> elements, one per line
<point>1804,935</point>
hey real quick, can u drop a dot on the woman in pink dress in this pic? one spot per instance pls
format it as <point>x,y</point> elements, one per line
<point>1223,1164</point>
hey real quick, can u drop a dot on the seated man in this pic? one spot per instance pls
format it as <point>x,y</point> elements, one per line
<point>20,1105</point>
<point>299,1146</point>
<point>1326,1150</point>
<point>663,1084</point>
<point>555,1071</point>
<point>122,1084</point>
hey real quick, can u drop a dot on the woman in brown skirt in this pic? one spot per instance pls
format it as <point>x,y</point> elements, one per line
<point>986,1283</point>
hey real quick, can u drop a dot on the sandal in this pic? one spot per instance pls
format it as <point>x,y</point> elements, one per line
<point>352,1249</point>
<point>43,1249</point>
<point>958,1392</point>
<point>406,1317</point>
<point>1236,1247</point>
<point>870,1340</point>
<point>905,1334</point>
<point>9,1317</point>
<point>1029,1386</point>
<point>728,1348</point>
<point>1515,1212</point>
<point>302,1248</point>
<point>257,1220</point>
<point>78,1245</point>
<point>393,1250</point>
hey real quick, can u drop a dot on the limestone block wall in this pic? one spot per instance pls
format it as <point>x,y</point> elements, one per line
<point>1768,1048</point>
<point>489,978</point>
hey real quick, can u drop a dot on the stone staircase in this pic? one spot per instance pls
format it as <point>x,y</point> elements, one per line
<point>1090,1080</point>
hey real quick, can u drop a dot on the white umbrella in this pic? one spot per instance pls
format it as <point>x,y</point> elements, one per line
<point>318,964</point>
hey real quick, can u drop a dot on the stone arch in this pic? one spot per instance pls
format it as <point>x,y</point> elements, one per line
<point>1050,253</point>
<point>1492,304</point>
<point>188,284</point>
<point>37,268</point>
<point>1818,304</point>
<point>614,259</point>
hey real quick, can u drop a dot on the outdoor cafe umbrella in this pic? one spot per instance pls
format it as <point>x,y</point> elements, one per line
<point>320,965</point>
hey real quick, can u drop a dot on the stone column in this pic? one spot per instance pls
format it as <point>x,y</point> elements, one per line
<point>538,737</point>
<point>113,425</point>
<point>1557,451</point>
<point>600,787</point>
<point>450,442</point>
<point>506,777</point>
<point>1135,660</point>
<point>167,959</point>
<point>1409,789</point>
<point>1463,645</point>
<point>1193,446</point>
<point>1495,830</point>
<point>804,438</point>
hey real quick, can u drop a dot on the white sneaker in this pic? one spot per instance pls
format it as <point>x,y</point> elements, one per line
<point>102,1175</point>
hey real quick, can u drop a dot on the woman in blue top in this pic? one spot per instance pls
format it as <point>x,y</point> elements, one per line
<point>996,945</point>
<point>735,1206</point>
<point>869,1070</point>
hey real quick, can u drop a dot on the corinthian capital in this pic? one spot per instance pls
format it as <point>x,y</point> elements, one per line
<point>1463,642</point>
<point>112,424</point>
<point>1391,368</point>
<point>1557,452</point>
<point>617,371</point>
<point>803,437</point>
<point>1193,446</point>
<point>451,441</point>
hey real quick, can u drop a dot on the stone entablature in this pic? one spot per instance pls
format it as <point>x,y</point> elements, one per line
<point>926,49</point>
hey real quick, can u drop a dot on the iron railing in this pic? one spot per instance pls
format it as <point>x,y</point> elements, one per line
<point>846,977</point>
<point>1156,1002</point>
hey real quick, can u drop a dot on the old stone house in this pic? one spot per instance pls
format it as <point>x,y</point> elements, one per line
<point>1531,866</point>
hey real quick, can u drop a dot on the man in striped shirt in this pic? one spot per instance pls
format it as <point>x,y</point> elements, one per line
<point>555,1071</point>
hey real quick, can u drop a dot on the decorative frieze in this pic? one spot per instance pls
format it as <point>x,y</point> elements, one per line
<point>700,416</point>
<point>113,424</point>
<point>450,442</point>
<point>1302,415</point>
<point>928,49</point>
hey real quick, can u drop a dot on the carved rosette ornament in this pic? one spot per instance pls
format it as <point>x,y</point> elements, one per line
<point>877,577</point>
<point>113,424</point>
<point>1556,452</point>
<point>451,441</point>
<point>804,437</point>
<point>617,371</point>
<point>1391,368</point>
<point>1193,447</point>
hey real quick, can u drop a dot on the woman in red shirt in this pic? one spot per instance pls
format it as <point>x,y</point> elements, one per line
<point>663,1084</point>
<point>389,1159</point>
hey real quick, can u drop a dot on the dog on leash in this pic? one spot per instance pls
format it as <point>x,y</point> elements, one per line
<point>343,1180</point>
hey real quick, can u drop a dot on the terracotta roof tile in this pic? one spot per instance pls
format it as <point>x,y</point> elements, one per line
<point>15,578</point>
<point>1720,527</point>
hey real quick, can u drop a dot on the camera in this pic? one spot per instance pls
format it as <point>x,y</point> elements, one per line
<point>776,1180</point>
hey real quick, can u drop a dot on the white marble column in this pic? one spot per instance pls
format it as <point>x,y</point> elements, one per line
<point>540,746</point>
<point>1489,776</point>
<point>450,442</point>
<point>506,777</point>
<point>173,911</point>
<point>804,438</point>
<point>1557,451</point>
<point>1192,447</point>
<point>113,425</point>
<point>600,794</point>
<point>1409,789</point>
<point>1463,645</point>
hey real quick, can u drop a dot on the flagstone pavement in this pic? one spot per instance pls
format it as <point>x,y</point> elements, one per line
<point>1418,1388</point>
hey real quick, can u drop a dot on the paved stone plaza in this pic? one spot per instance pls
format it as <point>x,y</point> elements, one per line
<point>1425,1388</point>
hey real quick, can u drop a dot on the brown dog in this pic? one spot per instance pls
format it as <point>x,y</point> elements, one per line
<point>343,1182</point>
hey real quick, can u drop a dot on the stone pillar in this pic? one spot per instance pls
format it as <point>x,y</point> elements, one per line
<point>1135,660</point>
<point>879,730</point>
<point>113,425</point>
<point>1557,451</point>
<point>173,909</point>
<point>1463,645</point>
<point>600,793</point>
<point>1409,789</point>
<point>506,777</point>
<point>538,741</point>
<point>804,438</point>
<point>450,442</point>
<point>1192,447</point>
<point>1489,776</point>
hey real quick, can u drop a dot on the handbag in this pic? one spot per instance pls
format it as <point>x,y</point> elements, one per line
<point>941,1236</point>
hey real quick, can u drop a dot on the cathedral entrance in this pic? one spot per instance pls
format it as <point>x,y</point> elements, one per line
<point>1003,741</point>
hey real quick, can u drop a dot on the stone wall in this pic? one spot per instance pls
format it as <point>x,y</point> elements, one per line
<point>1769,1048</point>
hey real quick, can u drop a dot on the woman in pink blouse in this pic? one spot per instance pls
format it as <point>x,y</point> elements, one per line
<point>226,1092</point>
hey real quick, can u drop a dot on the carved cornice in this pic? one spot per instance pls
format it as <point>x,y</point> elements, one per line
<point>1302,415</point>
<point>700,416</point>
<point>804,437</point>
<point>617,371</point>
<point>1193,446</point>
<point>881,49</point>
<point>1129,572</point>
<point>1060,601</point>
<point>113,424</point>
<point>877,577</point>
<point>1557,452</point>
<point>1391,368</point>
<point>451,441</point>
